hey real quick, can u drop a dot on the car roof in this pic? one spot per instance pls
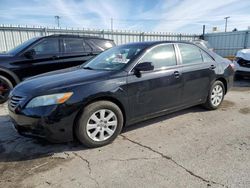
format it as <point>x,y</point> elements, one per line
<point>152,43</point>
<point>76,36</point>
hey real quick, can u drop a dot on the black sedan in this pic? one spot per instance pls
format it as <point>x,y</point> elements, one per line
<point>122,86</point>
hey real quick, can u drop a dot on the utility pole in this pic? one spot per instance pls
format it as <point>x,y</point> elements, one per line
<point>58,20</point>
<point>226,18</point>
<point>203,32</point>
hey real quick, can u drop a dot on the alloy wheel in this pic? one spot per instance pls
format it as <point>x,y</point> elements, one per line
<point>101,125</point>
<point>217,95</point>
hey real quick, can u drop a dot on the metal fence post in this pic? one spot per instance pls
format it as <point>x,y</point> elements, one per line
<point>142,37</point>
<point>103,36</point>
<point>180,37</point>
<point>44,31</point>
<point>246,39</point>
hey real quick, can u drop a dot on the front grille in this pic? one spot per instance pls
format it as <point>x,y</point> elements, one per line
<point>244,63</point>
<point>15,101</point>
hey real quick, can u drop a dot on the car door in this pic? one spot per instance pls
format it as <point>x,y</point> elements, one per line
<point>75,52</point>
<point>197,72</point>
<point>156,90</point>
<point>45,58</point>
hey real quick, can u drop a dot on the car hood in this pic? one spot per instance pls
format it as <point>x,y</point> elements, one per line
<point>244,54</point>
<point>4,56</point>
<point>58,80</point>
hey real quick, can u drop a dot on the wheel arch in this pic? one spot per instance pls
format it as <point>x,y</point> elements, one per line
<point>10,76</point>
<point>224,81</point>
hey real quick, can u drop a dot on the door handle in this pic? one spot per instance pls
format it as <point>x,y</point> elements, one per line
<point>212,67</point>
<point>176,74</point>
<point>55,57</point>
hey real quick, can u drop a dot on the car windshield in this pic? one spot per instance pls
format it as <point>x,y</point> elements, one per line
<point>21,46</point>
<point>115,58</point>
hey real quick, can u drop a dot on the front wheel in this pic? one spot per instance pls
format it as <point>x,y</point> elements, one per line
<point>100,123</point>
<point>216,95</point>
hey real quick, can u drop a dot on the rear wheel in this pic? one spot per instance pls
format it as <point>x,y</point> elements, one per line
<point>100,123</point>
<point>216,95</point>
<point>5,87</point>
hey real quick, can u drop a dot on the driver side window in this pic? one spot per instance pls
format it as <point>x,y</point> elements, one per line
<point>161,56</point>
<point>47,46</point>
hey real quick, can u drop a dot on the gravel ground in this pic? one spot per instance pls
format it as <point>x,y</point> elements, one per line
<point>190,148</point>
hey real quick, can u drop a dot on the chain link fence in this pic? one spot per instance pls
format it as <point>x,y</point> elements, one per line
<point>11,36</point>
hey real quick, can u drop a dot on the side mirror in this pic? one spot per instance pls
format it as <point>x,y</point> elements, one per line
<point>30,54</point>
<point>145,66</point>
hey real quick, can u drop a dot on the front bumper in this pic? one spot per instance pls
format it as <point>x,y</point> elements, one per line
<point>242,73</point>
<point>52,123</point>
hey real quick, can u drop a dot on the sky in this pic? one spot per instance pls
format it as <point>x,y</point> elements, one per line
<point>179,16</point>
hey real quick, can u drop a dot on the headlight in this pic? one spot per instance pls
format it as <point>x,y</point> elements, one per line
<point>47,100</point>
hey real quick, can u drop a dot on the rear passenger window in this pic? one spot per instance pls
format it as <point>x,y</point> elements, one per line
<point>161,56</point>
<point>76,45</point>
<point>206,57</point>
<point>190,54</point>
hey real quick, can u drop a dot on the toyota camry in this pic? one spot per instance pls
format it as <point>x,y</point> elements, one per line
<point>120,87</point>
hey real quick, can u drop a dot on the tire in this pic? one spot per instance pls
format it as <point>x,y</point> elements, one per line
<point>210,103</point>
<point>91,128</point>
<point>5,87</point>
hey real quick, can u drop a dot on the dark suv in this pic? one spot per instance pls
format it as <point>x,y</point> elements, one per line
<point>43,54</point>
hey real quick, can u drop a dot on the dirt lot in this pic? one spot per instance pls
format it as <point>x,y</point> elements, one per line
<point>191,148</point>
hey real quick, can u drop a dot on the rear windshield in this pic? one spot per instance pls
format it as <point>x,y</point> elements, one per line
<point>100,44</point>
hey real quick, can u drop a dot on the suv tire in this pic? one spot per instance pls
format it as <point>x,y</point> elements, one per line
<point>5,87</point>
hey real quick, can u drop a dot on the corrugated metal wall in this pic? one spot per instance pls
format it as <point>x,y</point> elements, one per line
<point>227,44</point>
<point>11,36</point>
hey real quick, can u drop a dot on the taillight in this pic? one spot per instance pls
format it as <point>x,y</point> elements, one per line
<point>232,66</point>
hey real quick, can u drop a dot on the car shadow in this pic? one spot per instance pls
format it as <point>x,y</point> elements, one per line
<point>14,147</point>
<point>195,109</point>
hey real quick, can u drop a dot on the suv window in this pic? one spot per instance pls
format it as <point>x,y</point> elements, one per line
<point>47,46</point>
<point>190,54</point>
<point>75,45</point>
<point>100,44</point>
<point>206,58</point>
<point>161,56</point>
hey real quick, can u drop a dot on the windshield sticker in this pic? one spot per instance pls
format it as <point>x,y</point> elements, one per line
<point>120,59</point>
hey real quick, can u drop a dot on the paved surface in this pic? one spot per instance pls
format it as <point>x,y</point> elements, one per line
<point>191,148</point>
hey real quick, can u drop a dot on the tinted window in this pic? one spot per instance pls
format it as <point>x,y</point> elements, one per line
<point>190,54</point>
<point>86,47</point>
<point>206,57</point>
<point>100,44</point>
<point>161,56</point>
<point>47,46</point>
<point>76,45</point>
<point>22,46</point>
